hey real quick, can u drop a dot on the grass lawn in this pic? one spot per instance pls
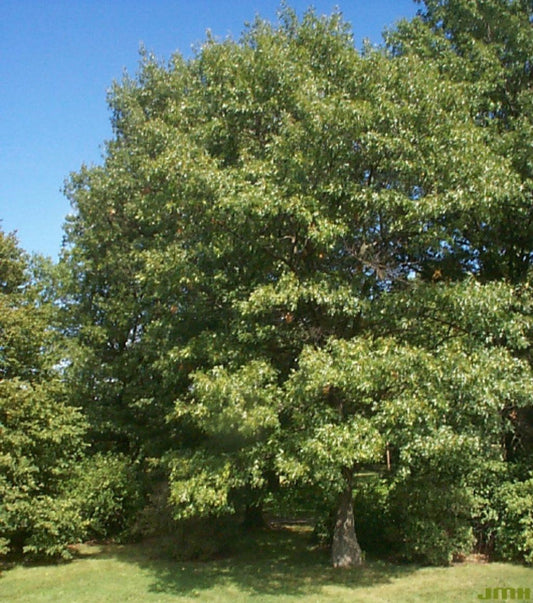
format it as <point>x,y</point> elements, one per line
<point>280,566</point>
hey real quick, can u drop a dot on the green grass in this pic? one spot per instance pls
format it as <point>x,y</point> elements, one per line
<point>279,566</point>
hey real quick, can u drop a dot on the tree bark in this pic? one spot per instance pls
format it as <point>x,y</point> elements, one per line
<point>345,551</point>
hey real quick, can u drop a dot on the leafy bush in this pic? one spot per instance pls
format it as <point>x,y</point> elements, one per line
<point>503,516</point>
<point>41,440</point>
<point>201,539</point>
<point>39,527</point>
<point>514,532</point>
<point>434,518</point>
<point>55,523</point>
<point>106,491</point>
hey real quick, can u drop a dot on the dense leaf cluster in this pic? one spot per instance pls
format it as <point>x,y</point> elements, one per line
<point>300,263</point>
<point>51,493</point>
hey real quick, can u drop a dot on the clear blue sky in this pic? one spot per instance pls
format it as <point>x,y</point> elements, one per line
<point>59,57</point>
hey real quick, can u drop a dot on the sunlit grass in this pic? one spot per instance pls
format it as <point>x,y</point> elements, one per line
<point>280,565</point>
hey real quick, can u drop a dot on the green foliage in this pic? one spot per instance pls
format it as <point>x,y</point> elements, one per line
<point>434,519</point>
<point>236,414</point>
<point>487,46</point>
<point>45,525</point>
<point>106,492</point>
<point>298,258</point>
<point>234,405</point>
<point>513,534</point>
<point>41,434</point>
<point>378,530</point>
<point>201,485</point>
<point>13,266</point>
<point>197,537</point>
<point>428,519</point>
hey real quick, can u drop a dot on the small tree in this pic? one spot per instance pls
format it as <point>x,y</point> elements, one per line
<point>41,435</point>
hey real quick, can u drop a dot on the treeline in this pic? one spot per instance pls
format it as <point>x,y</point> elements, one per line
<point>299,281</point>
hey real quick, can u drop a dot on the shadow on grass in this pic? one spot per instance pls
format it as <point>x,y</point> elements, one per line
<point>276,562</point>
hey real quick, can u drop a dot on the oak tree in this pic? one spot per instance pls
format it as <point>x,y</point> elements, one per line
<point>284,269</point>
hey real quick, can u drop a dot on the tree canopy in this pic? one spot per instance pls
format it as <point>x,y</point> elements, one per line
<point>300,263</point>
<point>41,435</point>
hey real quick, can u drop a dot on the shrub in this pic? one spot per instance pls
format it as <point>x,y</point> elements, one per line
<point>434,520</point>
<point>55,523</point>
<point>41,440</point>
<point>514,533</point>
<point>98,500</point>
<point>106,490</point>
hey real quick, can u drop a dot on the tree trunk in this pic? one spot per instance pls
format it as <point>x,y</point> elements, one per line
<point>345,551</point>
